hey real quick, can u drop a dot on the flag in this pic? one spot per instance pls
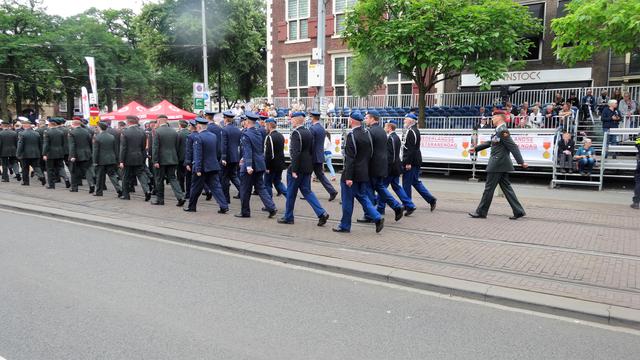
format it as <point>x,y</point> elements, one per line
<point>92,76</point>
<point>85,103</point>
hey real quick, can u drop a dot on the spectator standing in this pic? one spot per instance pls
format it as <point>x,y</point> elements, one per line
<point>610,120</point>
<point>573,100</point>
<point>603,101</point>
<point>558,101</point>
<point>566,151</point>
<point>328,155</point>
<point>587,104</point>
<point>627,108</point>
<point>565,117</point>
<point>586,157</point>
<point>617,95</point>
<point>525,107</point>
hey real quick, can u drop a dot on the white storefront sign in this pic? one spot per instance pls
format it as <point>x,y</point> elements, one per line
<point>533,77</point>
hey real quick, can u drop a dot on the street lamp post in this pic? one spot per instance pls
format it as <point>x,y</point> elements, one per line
<point>205,65</point>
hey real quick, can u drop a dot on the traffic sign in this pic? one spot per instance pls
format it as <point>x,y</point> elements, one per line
<point>199,104</point>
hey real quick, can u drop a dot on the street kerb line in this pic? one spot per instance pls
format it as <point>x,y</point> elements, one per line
<point>553,305</point>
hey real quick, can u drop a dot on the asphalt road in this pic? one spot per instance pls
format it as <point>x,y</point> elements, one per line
<point>69,291</point>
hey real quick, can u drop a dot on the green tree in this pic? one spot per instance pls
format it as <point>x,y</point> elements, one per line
<point>591,26</point>
<point>434,40</point>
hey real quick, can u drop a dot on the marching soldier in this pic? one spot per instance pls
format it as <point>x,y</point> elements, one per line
<point>252,167</point>
<point>230,154</point>
<point>318,132</point>
<point>299,173</point>
<point>274,157</point>
<point>499,167</point>
<point>188,158</point>
<point>183,133</point>
<point>8,147</point>
<point>355,176</point>
<point>105,159</point>
<point>80,153</point>
<point>206,168</point>
<point>29,151</point>
<point>53,153</point>
<point>394,170</point>
<point>132,157</point>
<point>412,161</point>
<point>166,147</point>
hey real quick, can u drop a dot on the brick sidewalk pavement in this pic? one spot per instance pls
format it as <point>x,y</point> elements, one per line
<point>568,248</point>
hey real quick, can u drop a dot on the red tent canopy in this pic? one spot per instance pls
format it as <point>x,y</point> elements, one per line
<point>131,109</point>
<point>173,112</point>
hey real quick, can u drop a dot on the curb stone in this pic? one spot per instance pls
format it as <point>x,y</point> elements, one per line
<point>517,298</point>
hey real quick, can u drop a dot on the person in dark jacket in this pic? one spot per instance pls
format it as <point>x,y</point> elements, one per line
<point>230,154</point>
<point>215,129</point>
<point>566,150</point>
<point>318,132</point>
<point>610,120</point>
<point>412,161</point>
<point>206,168</point>
<point>166,147</point>
<point>394,145</point>
<point>379,169</point>
<point>80,152</point>
<point>188,157</point>
<point>355,175</point>
<point>29,150</point>
<point>8,147</point>
<point>299,172</point>
<point>53,151</point>
<point>274,158</point>
<point>183,133</point>
<point>252,168</point>
<point>132,158</point>
<point>105,159</point>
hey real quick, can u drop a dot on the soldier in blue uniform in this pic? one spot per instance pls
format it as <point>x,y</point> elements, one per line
<point>188,157</point>
<point>394,170</point>
<point>252,167</point>
<point>412,161</point>
<point>299,173</point>
<point>355,175</point>
<point>206,168</point>
<point>230,154</point>
<point>318,132</point>
<point>499,167</point>
<point>274,157</point>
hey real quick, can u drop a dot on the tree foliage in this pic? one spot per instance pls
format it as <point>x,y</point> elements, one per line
<point>591,26</point>
<point>434,40</point>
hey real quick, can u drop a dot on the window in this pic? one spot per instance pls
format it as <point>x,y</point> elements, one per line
<point>297,19</point>
<point>340,8</point>
<point>634,64</point>
<point>535,51</point>
<point>341,66</point>
<point>562,7</point>
<point>297,78</point>
<point>399,90</point>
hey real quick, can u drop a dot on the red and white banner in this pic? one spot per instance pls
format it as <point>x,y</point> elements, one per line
<point>445,147</point>
<point>85,103</point>
<point>92,77</point>
<point>336,143</point>
<point>536,148</point>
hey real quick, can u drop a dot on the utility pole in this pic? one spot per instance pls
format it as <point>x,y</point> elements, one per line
<point>205,65</point>
<point>219,83</point>
<point>322,14</point>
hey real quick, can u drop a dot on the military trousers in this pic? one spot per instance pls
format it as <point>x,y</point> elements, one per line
<point>318,171</point>
<point>411,179</point>
<point>33,163</point>
<point>130,173</point>
<point>358,191</point>
<point>273,179</point>
<point>406,201</point>
<point>302,183</point>
<point>211,180</point>
<point>167,172</point>
<point>230,176</point>
<point>493,180</point>
<point>9,163</point>
<point>55,170</point>
<point>80,169</point>
<point>247,183</point>
<point>182,177</point>
<point>384,197</point>
<point>102,171</point>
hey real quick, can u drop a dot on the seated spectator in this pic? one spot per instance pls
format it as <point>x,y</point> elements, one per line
<point>565,117</point>
<point>558,101</point>
<point>522,120</point>
<point>617,95</point>
<point>525,106</point>
<point>603,101</point>
<point>573,100</point>
<point>588,103</point>
<point>549,116</point>
<point>627,108</point>
<point>484,123</point>
<point>509,109</point>
<point>536,120</point>
<point>509,118</point>
<point>538,104</point>
<point>586,157</point>
<point>566,151</point>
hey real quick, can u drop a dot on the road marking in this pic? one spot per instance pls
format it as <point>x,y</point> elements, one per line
<point>338,275</point>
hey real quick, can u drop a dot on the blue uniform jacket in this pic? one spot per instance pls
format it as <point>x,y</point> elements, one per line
<point>205,153</point>
<point>251,146</point>
<point>217,131</point>
<point>231,143</point>
<point>318,142</point>
<point>188,154</point>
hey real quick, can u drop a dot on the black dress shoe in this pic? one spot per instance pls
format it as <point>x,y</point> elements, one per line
<point>147,196</point>
<point>302,198</point>
<point>43,181</point>
<point>272,213</point>
<point>125,198</point>
<point>92,189</point>
<point>51,187</point>
<point>73,190</point>
<point>156,202</point>
<point>333,196</point>
<point>18,177</point>
<point>180,202</point>
<point>323,219</point>
<point>223,211</point>
<point>279,193</point>
<point>97,194</point>
<point>188,209</point>
<point>399,213</point>
<point>242,215</point>
<point>433,204</point>
<point>285,221</point>
<point>67,184</point>
<point>5,180</point>
<point>237,196</point>
<point>119,194</point>
<point>364,220</point>
<point>516,217</point>
<point>209,196</point>
<point>338,229</point>
<point>379,225</point>
<point>264,209</point>
<point>27,184</point>
<point>477,216</point>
